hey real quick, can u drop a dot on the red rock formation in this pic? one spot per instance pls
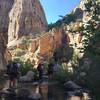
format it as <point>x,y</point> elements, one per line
<point>33,45</point>
<point>40,47</point>
<point>49,42</point>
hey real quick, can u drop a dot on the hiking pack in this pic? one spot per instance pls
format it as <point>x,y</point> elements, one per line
<point>12,68</point>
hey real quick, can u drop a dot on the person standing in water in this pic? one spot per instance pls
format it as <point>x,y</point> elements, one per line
<point>12,71</point>
<point>40,69</point>
<point>50,70</point>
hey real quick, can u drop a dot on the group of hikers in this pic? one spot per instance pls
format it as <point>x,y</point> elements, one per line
<point>13,71</point>
<point>41,71</point>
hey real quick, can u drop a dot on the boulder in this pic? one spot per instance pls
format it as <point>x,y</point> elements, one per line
<point>71,86</point>
<point>9,93</point>
<point>28,77</point>
<point>74,98</point>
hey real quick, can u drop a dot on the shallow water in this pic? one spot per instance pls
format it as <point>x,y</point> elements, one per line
<point>45,90</point>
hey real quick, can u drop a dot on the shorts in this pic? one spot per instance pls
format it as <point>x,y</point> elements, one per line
<point>12,77</point>
<point>50,72</point>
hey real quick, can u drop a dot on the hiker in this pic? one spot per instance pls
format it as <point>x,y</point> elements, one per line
<point>40,69</point>
<point>50,70</point>
<point>12,71</point>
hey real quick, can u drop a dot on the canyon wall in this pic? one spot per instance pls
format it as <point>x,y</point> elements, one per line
<point>26,17</point>
<point>33,50</point>
<point>5,7</point>
<point>19,18</point>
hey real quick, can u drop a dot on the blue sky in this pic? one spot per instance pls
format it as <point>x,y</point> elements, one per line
<point>54,8</point>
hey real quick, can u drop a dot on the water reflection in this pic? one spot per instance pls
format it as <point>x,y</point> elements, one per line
<point>51,92</point>
<point>43,91</point>
<point>39,91</point>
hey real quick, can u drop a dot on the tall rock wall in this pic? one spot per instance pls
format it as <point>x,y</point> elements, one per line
<point>83,28</point>
<point>5,7</point>
<point>32,50</point>
<point>19,18</point>
<point>26,17</point>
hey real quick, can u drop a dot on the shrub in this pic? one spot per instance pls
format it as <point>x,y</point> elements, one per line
<point>19,52</point>
<point>63,75</point>
<point>25,68</point>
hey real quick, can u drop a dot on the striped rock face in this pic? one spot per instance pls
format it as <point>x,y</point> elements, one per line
<point>5,7</point>
<point>26,17</point>
<point>19,18</point>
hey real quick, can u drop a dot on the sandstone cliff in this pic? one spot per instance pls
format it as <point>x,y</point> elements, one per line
<point>79,26</point>
<point>26,17</point>
<point>5,7</point>
<point>19,18</point>
<point>32,50</point>
<point>44,46</point>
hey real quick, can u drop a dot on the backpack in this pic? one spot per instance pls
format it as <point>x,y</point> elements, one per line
<point>14,68</point>
<point>40,67</point>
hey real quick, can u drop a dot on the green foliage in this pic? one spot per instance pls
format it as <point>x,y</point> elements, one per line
<point>91,32</point>
<point>93,79</point>
<point>74,59</point>
<point>91,27</point>
<point>63,75</point>
<point>46,67</point>
<point>69,18</point>
<point>52,25</point>
<point>63,53</point>
<point>25,67</point>
<point>61,22</point>
<point>88,6</point>
<point>19,52</point>
<point>17,60</point>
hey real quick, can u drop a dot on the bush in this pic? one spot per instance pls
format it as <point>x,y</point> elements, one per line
<point>63,75</point>
<point>19,52</point>
<point>25,68</point>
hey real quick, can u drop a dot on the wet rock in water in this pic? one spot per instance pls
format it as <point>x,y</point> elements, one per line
<point>23,94</point>
<point>74,98</point>
<point>71,86</point>
<point>75,93</point>
<point>1,84</point>
<point>28,77</point>
<point>8,92</point>
<point>84,96</point>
